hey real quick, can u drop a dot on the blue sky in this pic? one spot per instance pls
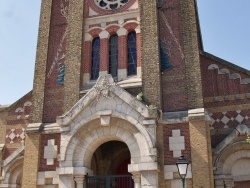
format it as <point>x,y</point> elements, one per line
<point>224,24</point>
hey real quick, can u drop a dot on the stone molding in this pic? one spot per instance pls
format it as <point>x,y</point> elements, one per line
<point>13,156</point>
<point>105,87</point>
<point>239,130</point>
<point>223,162</point>
<point>44,128</point>
<point>12,167</point>
<point>74,171</point>
<point>173,117</point>
<point>107,113</point>
<point>42,176</point>
<point>169,171</point>
<point>198,114</point>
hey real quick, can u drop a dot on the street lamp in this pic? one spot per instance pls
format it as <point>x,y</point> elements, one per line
<point>182,166</point>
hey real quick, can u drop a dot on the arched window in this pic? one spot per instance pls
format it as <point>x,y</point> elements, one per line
<point>113,55</point>
<point>132,54</point>
<point>95,58</point>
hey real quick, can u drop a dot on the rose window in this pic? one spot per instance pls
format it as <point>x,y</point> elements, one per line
<point>110,4</point>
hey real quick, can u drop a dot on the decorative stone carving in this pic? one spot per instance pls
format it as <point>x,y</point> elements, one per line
<point>103,86</point>
<point>110,4</point>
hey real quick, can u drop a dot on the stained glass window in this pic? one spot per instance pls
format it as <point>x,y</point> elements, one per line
<point>95,58</point>
<point>132,53</point>
<point>113,55</point>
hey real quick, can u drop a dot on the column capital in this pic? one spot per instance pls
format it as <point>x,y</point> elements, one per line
<point>79,181</point>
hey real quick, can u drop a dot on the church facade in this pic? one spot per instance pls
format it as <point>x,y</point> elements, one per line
<point>122,89</point>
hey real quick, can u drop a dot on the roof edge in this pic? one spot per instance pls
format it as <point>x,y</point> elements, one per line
<point>224,62</point>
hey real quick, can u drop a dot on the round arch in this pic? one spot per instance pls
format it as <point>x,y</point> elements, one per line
<point>231,154</point>
<point>13,172</point>
<point>90,136</point>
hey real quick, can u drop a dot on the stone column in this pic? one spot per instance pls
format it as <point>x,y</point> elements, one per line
<point>137,180</point>
<point>201,154</point>
<point>74,51</point>
<point>79,181</point>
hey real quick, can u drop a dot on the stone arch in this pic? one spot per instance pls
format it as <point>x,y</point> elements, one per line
<point>107,113</point>
<point>84,143</point>
<point>231,154</point>
<point>117,108</point>
<point>131,25</point>
<point>227,166</point>
<point>12,173</point>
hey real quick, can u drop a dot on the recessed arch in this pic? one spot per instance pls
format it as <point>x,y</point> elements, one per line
<point>12,173</point>
<point>84,143</point>
<point>231,154</point>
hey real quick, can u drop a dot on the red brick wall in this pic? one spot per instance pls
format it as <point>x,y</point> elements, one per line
<point>167,132</point>
<point>53,101</point>
<point>12,119</point>
<point>219,85</point>
<point>243,184</point>
<point>224,122</point>
<point>44,141</point>
<point>173,81</point>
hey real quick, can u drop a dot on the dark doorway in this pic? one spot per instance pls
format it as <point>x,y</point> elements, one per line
<point>110,166</point>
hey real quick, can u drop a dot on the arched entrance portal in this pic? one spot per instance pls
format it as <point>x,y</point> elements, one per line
<point>111,158</point>
<point>105,131</point>
<point>110,166</point>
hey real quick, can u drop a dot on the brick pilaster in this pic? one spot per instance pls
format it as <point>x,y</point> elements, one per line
<point>138,45</point>
<point>104,54</point>
<point>201,154</point>
<point>123,52</point>
<point>191,53</point>
<point>151,75</point>
<point>41,60</point>
<point>87,62</point>
<point>31,160</point>
<point>73,53</point>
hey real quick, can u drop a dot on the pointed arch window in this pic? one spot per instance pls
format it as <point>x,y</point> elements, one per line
<point>95,58</point>
<point>132,54</point>
<point>113,55</point>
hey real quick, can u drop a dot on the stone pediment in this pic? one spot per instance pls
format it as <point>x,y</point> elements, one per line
<point>104,99</point>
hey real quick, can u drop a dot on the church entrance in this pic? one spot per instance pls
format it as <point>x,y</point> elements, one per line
<point>110,167</point>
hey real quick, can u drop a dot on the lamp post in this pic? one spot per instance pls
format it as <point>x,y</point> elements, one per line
<point>182,166</point>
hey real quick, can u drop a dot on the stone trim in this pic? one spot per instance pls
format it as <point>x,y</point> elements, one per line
<point>13,156</point>
<point>11,171</point>
<point>229,155</point>
<point>173,117</point>
<point>240,130</point>
<point>42,176</point>
<point>198,114</point>
<point>43,128</point>
<point>169,171</point>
